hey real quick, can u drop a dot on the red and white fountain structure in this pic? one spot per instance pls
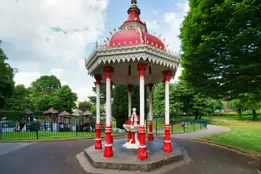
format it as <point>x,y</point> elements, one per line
<point>132,56</point>
<point>133,127</point>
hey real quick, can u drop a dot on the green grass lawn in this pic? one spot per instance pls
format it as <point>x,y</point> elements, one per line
<point>245,135</point>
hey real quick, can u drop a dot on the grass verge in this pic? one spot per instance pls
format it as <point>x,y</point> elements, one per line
<point>245,135</point>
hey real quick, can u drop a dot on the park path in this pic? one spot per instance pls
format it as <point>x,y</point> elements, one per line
<point>211,130</point>
<point>59,157</point>
<point>10,147</point>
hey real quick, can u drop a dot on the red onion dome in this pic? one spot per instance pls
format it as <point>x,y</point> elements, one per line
<point>134,38</point>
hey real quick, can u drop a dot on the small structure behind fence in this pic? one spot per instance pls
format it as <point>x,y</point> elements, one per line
<point>17,131</point>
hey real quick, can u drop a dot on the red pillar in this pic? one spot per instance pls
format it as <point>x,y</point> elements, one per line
<point>108,152</point>
<point>142,155</point>
<point>167,140</point>
<point>98,143</point>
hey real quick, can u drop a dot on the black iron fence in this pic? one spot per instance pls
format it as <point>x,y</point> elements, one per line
<point>17,131</point>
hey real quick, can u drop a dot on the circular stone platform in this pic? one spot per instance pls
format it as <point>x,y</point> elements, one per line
<point>127,159</point>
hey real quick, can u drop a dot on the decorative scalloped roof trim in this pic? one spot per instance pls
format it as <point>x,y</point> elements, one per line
<point>132,57</point>
<point>132,48</point>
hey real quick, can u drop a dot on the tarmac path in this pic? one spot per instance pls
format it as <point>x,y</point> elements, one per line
<point>59,158</point>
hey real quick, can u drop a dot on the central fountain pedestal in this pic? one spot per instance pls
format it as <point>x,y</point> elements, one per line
<point>133,142</point>
<point>133,127</point>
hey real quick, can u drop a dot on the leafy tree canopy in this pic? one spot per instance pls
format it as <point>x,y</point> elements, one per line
<point>42,92</point>
<point>102,94</point>
<point>85,106</point>
<point>64,99</point>
<point>221,47</point>
<point>6,79</point>
<point>46,85</point>
<point>20,99</point>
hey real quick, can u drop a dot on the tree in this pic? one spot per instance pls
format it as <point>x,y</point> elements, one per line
<point>221,47</point>
<point>85,106</point>
<point>6,79</point>
<point>205,106</point>
<point>159,99</point>
<point>182,96</point>
<point>102,94</point>
<point>43,90</point>
<point>185,98</point>
<point>120,105</point>
<point>20,99</point>
<point>246,101</point>
<point>46,85</point>
<point>237,105</point>
<point>64,99</point>
<point>252,103</point>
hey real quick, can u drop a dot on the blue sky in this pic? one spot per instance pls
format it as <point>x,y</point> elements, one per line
<point>53,37</point>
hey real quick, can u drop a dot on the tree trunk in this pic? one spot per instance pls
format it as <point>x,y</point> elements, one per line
<point>196,114</point>
<point>199,117</point>
<point>239,112</point>
<point>254,114</point>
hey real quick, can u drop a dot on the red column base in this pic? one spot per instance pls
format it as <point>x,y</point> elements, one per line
<point>111,135</point>
<point>98,142</point>
<point>98,145</point>
<point>142,154</point>
<point>167,147</point>
<point>167,141</point>
<point>151,137</point>
<point>108,152</point>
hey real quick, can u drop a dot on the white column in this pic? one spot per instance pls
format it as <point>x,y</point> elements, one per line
<point>111,103</point>
<point>142,108</point>
<point>167,102</point>
<point>150,104</point>
<point>108,101</point>
<point>97,103</point>
<point>129,103</point>
<point>142,68</point>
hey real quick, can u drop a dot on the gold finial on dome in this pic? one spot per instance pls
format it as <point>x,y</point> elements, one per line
<point>133,2</point>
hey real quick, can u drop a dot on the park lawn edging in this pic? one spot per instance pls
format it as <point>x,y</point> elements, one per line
<point>245,152</point>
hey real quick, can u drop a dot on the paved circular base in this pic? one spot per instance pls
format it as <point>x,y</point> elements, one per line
<point>127,159</point>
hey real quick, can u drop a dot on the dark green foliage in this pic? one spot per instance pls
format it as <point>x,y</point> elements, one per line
<point>159,100</point>
<point>64,99</point>
<point>120,105</point>
<point>20,99</point>
<point>6,79</point>
<point>85,106</point>
<point>184,99</point>
<point>182,95</point>
<point>135,99</point>
<point>102,94</point>
<point>46,85</point>
<point>221,45</point>
<point>43,90</point>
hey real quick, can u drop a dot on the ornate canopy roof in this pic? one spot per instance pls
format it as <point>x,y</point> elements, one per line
<point>130,46</point>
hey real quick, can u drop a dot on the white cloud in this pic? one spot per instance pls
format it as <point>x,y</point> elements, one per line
<point>152,25</point>
<point>26,78</point>
<point>173,21</point>
<point>42,37</point>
